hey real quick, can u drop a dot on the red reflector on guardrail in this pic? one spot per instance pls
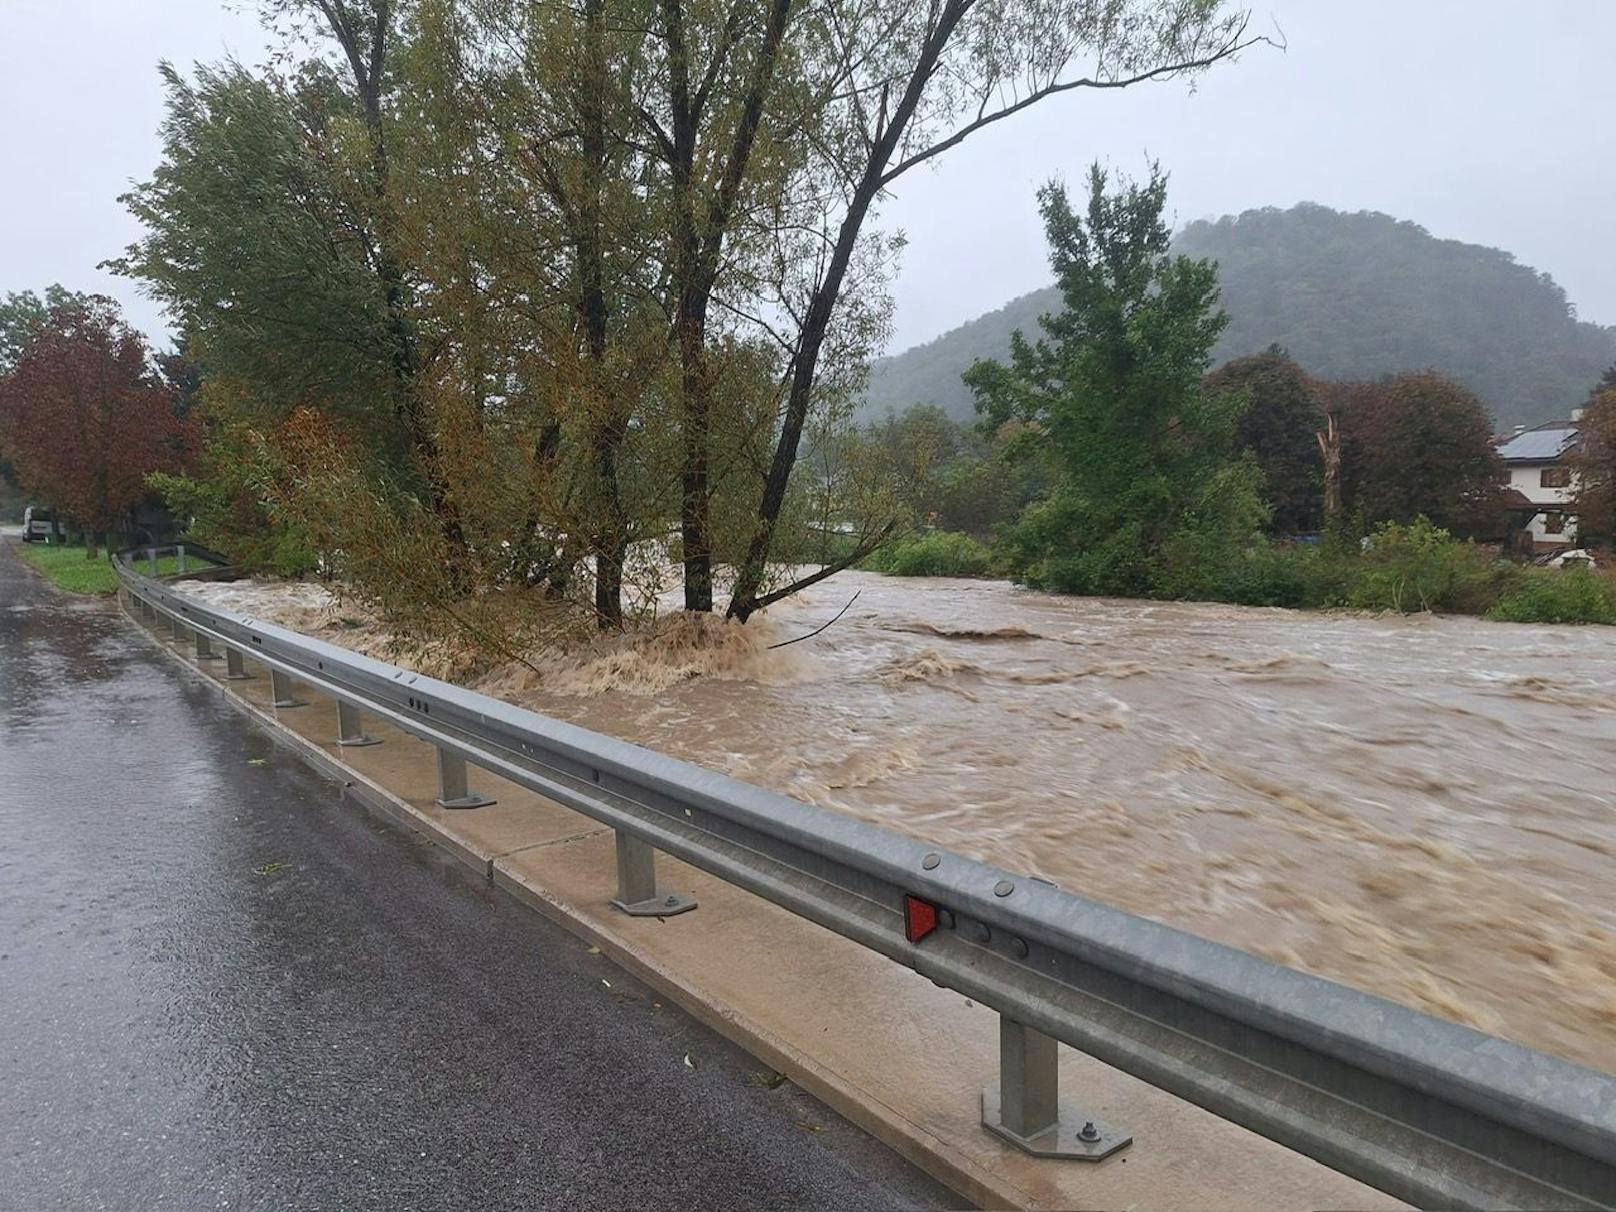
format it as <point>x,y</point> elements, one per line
<point>919,918</point>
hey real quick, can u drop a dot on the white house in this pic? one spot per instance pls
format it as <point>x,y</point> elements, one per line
<point>1539,475</point>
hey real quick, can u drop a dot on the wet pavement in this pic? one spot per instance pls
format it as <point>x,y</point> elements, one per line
<point>222,986</point>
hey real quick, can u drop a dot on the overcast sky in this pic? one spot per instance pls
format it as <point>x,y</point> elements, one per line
<point>1483,120</point>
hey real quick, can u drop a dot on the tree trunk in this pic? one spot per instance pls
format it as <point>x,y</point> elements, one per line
<point>744,602</point>
<point>1330,448</point>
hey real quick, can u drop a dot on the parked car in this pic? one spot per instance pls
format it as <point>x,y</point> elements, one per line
<point>37,523</point>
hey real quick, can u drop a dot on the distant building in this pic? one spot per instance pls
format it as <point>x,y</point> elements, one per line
<point>1541,486</point>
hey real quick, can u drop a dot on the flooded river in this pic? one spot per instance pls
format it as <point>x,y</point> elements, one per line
<point>1422,807</point>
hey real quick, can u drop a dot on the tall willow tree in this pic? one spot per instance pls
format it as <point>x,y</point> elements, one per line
<point>776,129</point>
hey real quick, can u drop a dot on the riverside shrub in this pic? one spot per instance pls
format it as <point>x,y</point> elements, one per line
<point>1420,566</point>
<point>938,553</point>
<point>1548,595</point>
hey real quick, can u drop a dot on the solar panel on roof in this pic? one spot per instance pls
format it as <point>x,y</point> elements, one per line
<point>1538,444</point>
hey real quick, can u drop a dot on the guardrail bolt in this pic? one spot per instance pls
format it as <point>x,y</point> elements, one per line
<point>637,893</point>
<point>1003,888</point>
<point>1024,1108</point>
<point>930,861</point>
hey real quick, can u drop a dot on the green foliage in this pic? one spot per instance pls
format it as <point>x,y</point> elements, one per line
<point>1349,296</point>
<point>24,314</point>
<point>257,239</point>
<point>1420,566</point>
<point>1280,427</point>
<point>1547,595</point>
<point>227,502</point>
<point>1149,494</point>
<point>936,553</point>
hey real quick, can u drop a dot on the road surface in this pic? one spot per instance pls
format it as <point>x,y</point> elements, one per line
<point>223,987</point>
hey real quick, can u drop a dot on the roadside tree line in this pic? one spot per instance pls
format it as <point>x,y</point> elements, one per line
<point>494,296</point>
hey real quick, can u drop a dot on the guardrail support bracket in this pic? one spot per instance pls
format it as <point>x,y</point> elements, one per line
<point>453,790</point>
<point>280,691</point>
<point>1025,1108</point>
<point>351,732</point>
<point>637,893</point>
<point>204,649</point>
<point>235,669</point>
<point>176,629</point>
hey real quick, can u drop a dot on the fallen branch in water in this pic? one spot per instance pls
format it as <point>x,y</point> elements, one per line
<point>816,631</point>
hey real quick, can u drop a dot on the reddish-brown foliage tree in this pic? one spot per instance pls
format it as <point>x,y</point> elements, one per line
<point>1594,463</point>
<point>85,418</point>
<point>1415,445</point>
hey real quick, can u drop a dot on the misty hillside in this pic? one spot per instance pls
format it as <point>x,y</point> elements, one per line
<point>1351,296</point>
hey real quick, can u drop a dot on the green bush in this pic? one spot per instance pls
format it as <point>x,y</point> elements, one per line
<point>227,515</point>
<point>1272,574</point>
<point>938,553</point>
<point>1420,566</point>
<point>1549,595</point>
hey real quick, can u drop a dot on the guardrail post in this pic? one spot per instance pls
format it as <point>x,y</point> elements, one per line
<point>180,551</point>
<point>235,669</point>
<point>151,559</point>
<point>637,893</point>
<point>204,649</point>
<point>176,629</point>
<point>1025,1108</point>
<point>280,690</point>
<point>453,790</point>
<point>350,729</point>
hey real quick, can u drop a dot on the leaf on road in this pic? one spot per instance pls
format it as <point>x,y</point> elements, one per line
<point>594,951</point>
<point>269,868</point>
<point>257,761</point>
<point>769,1080</point>
<point>689,1064</point>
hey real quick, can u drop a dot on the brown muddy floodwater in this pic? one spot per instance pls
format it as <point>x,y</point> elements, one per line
<point>1421,807</point>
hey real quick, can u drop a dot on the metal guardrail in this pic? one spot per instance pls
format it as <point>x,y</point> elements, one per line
<point>1426,1110</point>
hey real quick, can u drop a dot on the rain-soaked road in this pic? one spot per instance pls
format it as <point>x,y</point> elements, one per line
<point>220,986</point>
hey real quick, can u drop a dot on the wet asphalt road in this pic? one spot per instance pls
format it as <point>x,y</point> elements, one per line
<point>222,986</point>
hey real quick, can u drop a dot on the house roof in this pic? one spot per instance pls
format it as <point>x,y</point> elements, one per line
<point>1513,499</point>
<point>1544,444</point>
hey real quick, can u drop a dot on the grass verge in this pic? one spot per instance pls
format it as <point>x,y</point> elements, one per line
<point>65,567</point>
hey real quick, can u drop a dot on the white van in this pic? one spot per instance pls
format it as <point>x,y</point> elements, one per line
<point>37,522</point>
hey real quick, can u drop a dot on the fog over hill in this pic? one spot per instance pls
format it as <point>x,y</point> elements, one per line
<point>1351,296</point>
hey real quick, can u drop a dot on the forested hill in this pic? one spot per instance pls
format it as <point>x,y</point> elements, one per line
<point>1350,296</point>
